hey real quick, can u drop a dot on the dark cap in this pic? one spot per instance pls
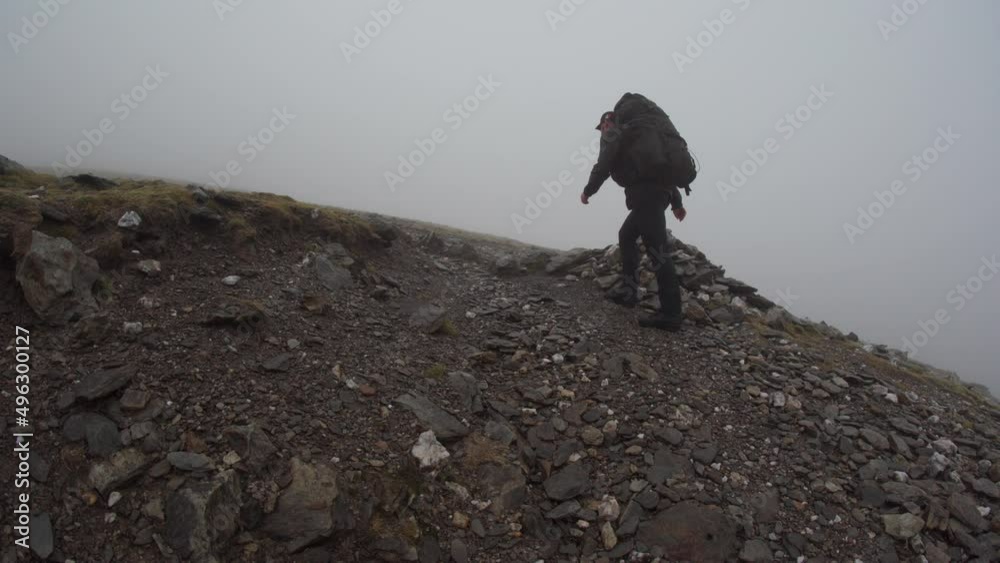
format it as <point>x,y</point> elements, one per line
<point>605,115</point>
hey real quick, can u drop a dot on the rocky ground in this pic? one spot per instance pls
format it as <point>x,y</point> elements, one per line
<point>411,395</point>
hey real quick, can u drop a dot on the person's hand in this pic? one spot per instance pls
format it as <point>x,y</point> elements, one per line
<point>584,198</point>
<point>680,213</point>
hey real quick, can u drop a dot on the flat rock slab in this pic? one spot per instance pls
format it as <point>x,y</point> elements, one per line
<point>104,382</point>
<point>190,461</point>
<point>766,505</point>
<point>986,488</point>
<point>444,425</point>
<point>630,519</point>
<point>134,399</point>
<point>38,468</point>
<point>499,432</point>
<point>506,265</point>
<point>468,388</point>
<point>963,507</point>
<point>706,455</point>
<point>621,365</point>
<point>505,486</point>
<point>252,445</point>
<point>103,437</point>
<point>235,313</point>
<point>871,494</point>
<point>727,315</point>
<point>669,435</point>
<point>119,469</point>
<point>75,427</point>
<point>565,510</point>
<point>755,551</point>
<point>277,363</point>
<point>304,512</point>
<point>568,483</point>
<point>459,551</point>
<point>332,276</point>
<point>875,438</point>
<point>902,526</point>
<point>201,519</point>
<point>41,539</point>
<point>903,492</point>
<point>668,465</point>
<point>428,318</point>
<point>565,261</point>
<point>690,531</point>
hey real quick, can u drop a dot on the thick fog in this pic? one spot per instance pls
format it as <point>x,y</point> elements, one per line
<point>848,149</point>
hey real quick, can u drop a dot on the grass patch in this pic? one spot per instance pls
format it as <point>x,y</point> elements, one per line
<point>835,352</point>
<point>278,214</point>
<point>922,376</point>
<point>396,489</point>
<point>240,231</point>
<point>436,372</point>
<point>810,338</point>
<point>16,209</point>
<point>27,180</point>
<point>804,332</point>
<point>160,205</point>
<point>391,526</point>
<point>103,289</point>
<point>167,206</point>
<point>448,328</point>
<point>252,311</point>
<point>316,303</point>
<point>896,371</point>
<point>59,230</point>
<point>480,450</point>
<point>17,202</point>
<point>108,249</point>
<point>826,364</point>
<point>444,230</point>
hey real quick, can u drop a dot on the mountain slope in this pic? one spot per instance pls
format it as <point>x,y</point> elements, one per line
<point>255,379</point>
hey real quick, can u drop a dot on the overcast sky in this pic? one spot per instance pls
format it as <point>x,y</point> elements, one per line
<point>325,101</point>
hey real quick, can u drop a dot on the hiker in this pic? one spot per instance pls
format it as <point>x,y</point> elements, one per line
<point>642,151</point>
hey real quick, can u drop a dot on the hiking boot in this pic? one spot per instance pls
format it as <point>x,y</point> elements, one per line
<point>661,321</point>
<point>623,296</point>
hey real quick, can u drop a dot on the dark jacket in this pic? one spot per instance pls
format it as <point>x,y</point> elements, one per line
<point>613,162</point>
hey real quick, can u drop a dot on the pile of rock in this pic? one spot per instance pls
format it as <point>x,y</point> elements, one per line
<point>708,295</point>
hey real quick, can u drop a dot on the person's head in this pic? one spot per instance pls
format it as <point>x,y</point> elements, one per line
<point>607,121</point>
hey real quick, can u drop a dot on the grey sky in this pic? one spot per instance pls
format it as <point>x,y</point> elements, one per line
<point>784,229</point>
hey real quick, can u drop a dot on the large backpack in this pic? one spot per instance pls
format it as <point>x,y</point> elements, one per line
<point>652,146</point>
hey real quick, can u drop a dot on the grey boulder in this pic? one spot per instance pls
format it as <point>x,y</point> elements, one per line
<point>57,279</point>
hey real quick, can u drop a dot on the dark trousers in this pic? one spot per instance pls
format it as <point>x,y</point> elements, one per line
<point>648,221</point>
